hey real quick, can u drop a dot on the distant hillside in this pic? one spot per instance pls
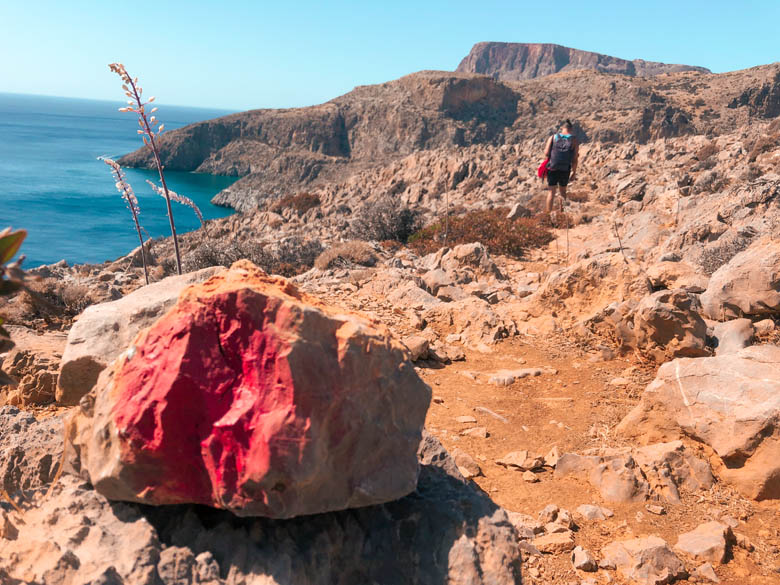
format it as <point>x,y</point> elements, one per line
<point>279,152</point>
<point>517,61</point>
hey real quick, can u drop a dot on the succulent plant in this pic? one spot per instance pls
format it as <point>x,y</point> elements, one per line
<point>11,280</point>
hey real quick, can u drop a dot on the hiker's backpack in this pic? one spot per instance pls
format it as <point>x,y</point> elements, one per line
<point>561,153</point>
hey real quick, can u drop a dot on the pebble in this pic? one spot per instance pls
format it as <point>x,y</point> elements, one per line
<point>530,477</point>
<point>582,560</point>
<point>655,509</point>
<point>438,399</point>
<point>466,419</point>
<point>619,382</point>
<point>479,432</point>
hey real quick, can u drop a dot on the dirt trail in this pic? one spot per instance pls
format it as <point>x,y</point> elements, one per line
<point>575,409</point>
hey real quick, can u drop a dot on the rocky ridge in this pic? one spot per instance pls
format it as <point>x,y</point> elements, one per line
<point>517,61</point>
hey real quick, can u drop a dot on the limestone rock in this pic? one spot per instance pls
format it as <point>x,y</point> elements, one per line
<point>30,449</point>
<point>555,543</point>
<point>582,560</point>
<point>667,324</point>
<point>731,403</point>
<point>748,285</point>
<point>645,561</point>
<point>446,531</point>
<point>249,396</point>
<point>731,336</point>
<point>104,331</point>
<point>591,512</point>
<point>706,542</point>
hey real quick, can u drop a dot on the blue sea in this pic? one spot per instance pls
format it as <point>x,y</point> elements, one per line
<point>52,184</point>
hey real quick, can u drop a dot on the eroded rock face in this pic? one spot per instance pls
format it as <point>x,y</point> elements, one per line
<point>667,324</point>
<point>446,531</point>
<point>249,396</point>
<point>729,402</point>
<point>514,61</point>
<point>30,449</point>
<point>748,285</point>
<point>103,331</point>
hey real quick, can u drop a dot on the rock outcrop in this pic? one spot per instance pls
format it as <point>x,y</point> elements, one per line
<point>516,61</point>
<point>747,286</point>
<point>249,396</point>
<point>446,531</point>
<point>105,330</point>
<point>731,403</point>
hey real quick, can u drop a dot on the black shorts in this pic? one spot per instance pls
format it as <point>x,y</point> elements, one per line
<point>557,178</point>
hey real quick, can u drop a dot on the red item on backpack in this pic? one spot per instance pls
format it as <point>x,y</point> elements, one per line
<point>541,172</point>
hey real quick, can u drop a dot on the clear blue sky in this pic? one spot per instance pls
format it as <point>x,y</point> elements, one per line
<point>248,54</point>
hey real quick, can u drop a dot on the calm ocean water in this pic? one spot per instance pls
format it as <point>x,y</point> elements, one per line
<point>52,184</point>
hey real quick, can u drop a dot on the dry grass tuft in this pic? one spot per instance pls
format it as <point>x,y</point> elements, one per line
<point>300,202</point>
<point>346,255</point>
<point>488,226</point>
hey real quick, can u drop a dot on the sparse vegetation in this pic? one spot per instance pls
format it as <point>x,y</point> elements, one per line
<point>288,258</point>
<point>488,226</point>
<point>708,150</point>
<point>300,202</point>
<point>346,255</point>
<point>384,219</point>
<point>136,104</point>
<point>719,253</point>
<point>53,298</point>
<point>763,144</point>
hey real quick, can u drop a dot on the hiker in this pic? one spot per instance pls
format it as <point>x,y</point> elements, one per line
<point>562,151</point>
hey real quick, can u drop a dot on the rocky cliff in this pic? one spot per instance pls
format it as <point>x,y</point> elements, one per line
<point>278,152</point>
<point>516,61</point>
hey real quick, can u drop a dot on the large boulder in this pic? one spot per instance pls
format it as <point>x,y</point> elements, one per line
<point>249,396</point>
<point>104,331</point>
<point>729,402</point>
<point>446,531</point>
<point>667,324</point>
<point>748,285</point>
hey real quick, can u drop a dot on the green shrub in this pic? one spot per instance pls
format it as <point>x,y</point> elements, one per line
<point>487,226</point>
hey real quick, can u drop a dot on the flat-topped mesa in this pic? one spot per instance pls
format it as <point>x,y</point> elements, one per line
<point>516,61</point>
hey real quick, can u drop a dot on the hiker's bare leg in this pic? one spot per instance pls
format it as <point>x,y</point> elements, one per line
<point>562,190</point>
<point>548,204</point>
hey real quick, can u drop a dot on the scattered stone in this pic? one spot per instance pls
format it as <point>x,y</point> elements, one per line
<point>489,412</point>
<point>478,432</point>
<point>619,382</point>
<point>591,512</point>
<point>582,560</point>
<point>655,509</point>
<point>705,572</point>
<point>743,542</point>
<point>549,513</point>
<point>418,347</point>
<point>466,464</point>
<point>465,419</point>
<point>706,542</point>
<point>521,460</point>
<point>551,459</point>
<point>644,561</point>
<point>259,441</point>
<point>438,400</point>
<point>556,543</point>
<point>530,477</point>
<point>764,326</point>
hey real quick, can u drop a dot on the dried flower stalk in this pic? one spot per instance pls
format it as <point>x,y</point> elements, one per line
<point>135,104</point>
<point>126,191</point>
<point>178,199</point>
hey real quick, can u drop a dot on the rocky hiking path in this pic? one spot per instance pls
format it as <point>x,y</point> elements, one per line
<point>573,407</point>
